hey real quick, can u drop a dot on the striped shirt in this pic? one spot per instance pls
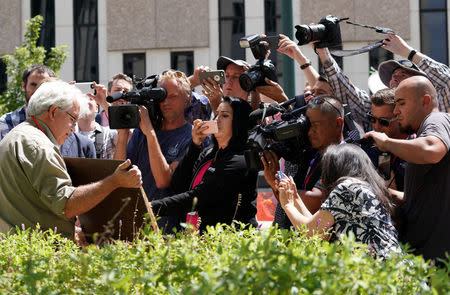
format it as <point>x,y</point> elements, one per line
<point>10,120</point>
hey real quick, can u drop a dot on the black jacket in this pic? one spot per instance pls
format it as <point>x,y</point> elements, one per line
<point>217,194</point>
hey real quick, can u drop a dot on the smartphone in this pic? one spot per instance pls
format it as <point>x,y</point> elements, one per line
<point>273,41</point>
<point>217,76</point>
<point>384,165</point>
<point>280,174</point>
<point>212,127</point>
<point>85,87</point>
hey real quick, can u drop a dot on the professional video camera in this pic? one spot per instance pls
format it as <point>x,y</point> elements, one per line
<point>327,32</point>
<point>288,138</point>
<point>146,94</point>
<point>263,68</point>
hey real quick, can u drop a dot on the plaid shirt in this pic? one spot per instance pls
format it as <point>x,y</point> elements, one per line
<point>10,120</point>
<point>357,99</point>
<point>439,75</point>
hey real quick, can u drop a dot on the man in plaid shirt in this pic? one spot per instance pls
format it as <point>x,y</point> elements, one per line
<point>31,78</point>
<point>391,73</point>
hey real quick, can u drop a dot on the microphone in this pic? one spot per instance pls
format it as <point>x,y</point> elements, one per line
<point>271,110</point>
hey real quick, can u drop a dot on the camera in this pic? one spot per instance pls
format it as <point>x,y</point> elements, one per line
<point>327,32</point>
<point>288,138</point>
<point>146,94</point>
<point>264,68</point>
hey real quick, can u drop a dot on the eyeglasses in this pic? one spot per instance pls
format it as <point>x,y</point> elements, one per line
<point>72,117</point>
<point>383,121</point>
<point>320,100</point>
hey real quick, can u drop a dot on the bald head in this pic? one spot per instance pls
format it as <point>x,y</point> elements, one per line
<point>415,98</point>
<point>420,86</point>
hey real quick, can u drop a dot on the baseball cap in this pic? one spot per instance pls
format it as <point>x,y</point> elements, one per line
<point>223,62</point>
<point>386,68</point>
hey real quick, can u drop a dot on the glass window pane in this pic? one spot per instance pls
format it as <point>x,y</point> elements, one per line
<point>85,40</point>
<point>232,28</point>
<point>434,35</point>
<point>433,4</point>
<point>229,39</point>
<point>45,8</point>
<point>134,64</point>
<point>231,8</point>
<point>182,61</point>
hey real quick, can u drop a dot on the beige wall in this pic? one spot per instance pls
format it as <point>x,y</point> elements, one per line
<point>150,24</point>
<point>383,13</point>
<point>10,20</point>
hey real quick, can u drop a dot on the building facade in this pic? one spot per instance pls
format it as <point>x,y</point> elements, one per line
<point>144,37</point>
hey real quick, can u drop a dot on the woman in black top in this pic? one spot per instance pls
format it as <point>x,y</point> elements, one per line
<point>217,175</point>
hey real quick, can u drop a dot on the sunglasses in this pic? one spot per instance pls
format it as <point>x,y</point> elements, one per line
<point>320,100</point>
<point>383,121</point>
<point>176,73</point>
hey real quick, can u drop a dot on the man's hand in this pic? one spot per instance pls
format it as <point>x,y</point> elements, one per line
<point>145,124</point>
<point>197,132</point>
<point>380,139</point>
<point>100,96</point>
<point>213,92</point>
<point>272,90</point>
<point>271,167</point>
<point>124,177</point>
<point>194,80</point>
<point>290,48</point>
<point>396,45</point>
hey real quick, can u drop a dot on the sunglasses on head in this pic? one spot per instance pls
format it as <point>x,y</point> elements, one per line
<point>383,121</point>
<point>177,74</point>
<point>321,100</point>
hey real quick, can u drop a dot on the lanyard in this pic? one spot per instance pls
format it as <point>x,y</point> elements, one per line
<point>38,125</point>
<point>311,170</point>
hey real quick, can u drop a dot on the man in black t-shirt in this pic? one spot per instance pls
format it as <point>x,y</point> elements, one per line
<point>325,114</point>
<point>425,213</point>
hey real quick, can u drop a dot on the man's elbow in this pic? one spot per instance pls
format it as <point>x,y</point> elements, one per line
<point>163,183</point>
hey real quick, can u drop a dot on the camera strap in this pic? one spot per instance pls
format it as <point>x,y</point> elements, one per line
<point>381,30</point>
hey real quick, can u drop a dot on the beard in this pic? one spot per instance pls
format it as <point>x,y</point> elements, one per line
<point>407,129</point>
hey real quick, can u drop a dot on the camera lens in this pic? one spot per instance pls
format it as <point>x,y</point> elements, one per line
<point>249,80</point>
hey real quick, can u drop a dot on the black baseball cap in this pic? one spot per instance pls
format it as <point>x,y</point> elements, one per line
<point>386,68</point>
<point>223,62</point>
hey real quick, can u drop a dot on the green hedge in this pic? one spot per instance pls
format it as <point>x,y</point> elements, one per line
<point>223,261</point>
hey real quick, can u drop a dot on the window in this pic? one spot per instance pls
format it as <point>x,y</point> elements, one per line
<point>272,27</point>
<point>182,61</point>
<point>377,56</point>
<point>231,28</point>
<point>134,64</point>
<point>45,8</point>
<point>3,76</point>
<point>85,40</point>
<point>433,29</point>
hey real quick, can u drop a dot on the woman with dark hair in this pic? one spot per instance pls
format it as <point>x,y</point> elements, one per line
<point>357,201</point>
<point>216,176</point>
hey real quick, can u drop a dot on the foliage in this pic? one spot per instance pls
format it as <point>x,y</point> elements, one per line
<point>23,57</point>
<point>222,261</point>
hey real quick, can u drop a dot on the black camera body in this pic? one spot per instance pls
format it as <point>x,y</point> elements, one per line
<point>287,138</point>
<point>264,68</point>
<point>327,32</point>
<point>146,94</point>
<point>256,74</point>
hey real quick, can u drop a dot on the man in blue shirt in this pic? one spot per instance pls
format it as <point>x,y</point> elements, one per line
<point>31,79</point>
<point>157,151</point>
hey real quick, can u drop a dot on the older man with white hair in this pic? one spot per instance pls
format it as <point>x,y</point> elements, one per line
<point>35,186</point>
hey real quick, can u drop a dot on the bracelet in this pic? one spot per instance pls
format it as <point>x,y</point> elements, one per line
<point>411,54</point>
<point>305,65</point>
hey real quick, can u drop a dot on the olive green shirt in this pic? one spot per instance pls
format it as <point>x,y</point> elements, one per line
<point>34,182</point>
